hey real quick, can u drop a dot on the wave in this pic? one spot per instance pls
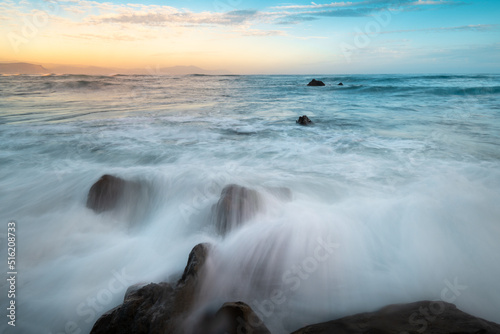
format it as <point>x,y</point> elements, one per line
<point>432,90</point>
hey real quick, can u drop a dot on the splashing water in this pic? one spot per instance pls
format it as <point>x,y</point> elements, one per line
<point>394,192</point>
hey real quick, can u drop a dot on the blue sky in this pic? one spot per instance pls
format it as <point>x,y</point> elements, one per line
<point>243,36</point>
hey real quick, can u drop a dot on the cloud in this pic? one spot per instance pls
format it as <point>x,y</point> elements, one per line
<point>165,16</point>
<point>470,27</point>
<point>111,37</point>
<point>263,33</point>
<point>294,14</point>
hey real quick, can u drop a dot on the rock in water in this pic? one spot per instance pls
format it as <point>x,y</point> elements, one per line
<point>232,318</point>
<point>420,317</point>
<point>340,84</point>
<point>236,205</point>
<point>315,82</point>
<point>303,120</point>
<point>156,308</point>
<point>145,310</point>
<point>105,193</point>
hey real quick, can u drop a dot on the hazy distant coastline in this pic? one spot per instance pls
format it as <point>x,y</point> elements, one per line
<point>27,68</point>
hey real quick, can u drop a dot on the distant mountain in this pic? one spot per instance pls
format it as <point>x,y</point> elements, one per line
<point>25,68</point>
<point>87,70</point>
<point>22,68</point>
<point>177,70</point>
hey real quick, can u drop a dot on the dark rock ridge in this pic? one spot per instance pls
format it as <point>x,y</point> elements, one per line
<point>315,82</point>
<point>413,318</point>
<point>156,308</point>
<point>165,308</point>
<point>236,206</point>
<point>303,120</point>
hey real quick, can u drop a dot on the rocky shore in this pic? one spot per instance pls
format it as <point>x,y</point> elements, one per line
<point>173,307</point>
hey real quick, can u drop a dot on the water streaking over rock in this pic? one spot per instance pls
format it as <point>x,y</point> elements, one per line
<point>390,197</point>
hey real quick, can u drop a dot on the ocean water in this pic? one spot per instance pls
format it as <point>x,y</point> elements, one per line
<point>395,192</point>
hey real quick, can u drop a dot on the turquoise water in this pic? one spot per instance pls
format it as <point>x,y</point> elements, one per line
<point>401,173</point>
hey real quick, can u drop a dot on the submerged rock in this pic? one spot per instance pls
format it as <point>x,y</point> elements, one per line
<point>420,317</point>
<point>106,193</point>
<point>315,82</point>
<point>156,307</point>
<point>283,193</point>
<point>303,120</point>
<point>236,205</point>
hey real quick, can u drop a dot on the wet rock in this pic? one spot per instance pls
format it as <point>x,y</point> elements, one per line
<point>189,285</point>
<point>303,120</point>
<point>340,84</point>
<point>156,308</point>
<point>129,200</point>
<point>145,310</point>
<point>419,317</point>
<point>105,194</point>
<point>315,82</point>
<point>232,318</point>
<point>236,205</point>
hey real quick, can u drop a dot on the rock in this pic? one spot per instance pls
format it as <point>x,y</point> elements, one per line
<point>105,193</point>
<point>189,285</point>
<point>303,120</point>
<point>420,317</point>
<point>340,84</point>
<point>236,205</point>
<point>315,82</point>
<point>128,199</point>
<point>156,308</point>
<point>232,318</point>
<point>196,260</point>
<point>145,310</point>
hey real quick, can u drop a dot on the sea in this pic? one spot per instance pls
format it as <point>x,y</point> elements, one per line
<point>395,193</point>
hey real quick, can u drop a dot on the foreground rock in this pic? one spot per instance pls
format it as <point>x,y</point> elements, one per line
<point>236,205</point>
<point>315,82</point>
<point>419,317</point>
<point>232,318</point>
<point>156,308</point>
<point>303,120</point>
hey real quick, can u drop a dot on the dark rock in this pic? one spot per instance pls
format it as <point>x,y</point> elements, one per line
<point>129,199</point>
<point>145,310</point>
<point>340,84</point>
<point>232,318</point>
<point>156,308</point>
<point>236,205</point>
<point>420,317</point>
<point>196,259</point>
<point>105,193</point>
<point>303,120</point>
<point>315,82</point>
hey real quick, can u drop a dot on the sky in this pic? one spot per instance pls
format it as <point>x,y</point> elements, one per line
<point>257,37</point>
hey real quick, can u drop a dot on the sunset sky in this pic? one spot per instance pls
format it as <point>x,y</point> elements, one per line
<point>248,37</point>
